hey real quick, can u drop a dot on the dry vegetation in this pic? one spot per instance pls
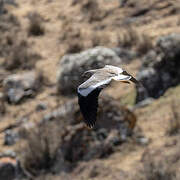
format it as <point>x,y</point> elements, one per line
<point>130,38</point>
<point>36,28</point>
<point>41,148</point>
<point>174,123</point>
<point>20,57</point>
<point>158,170</point>
<point>59,27</point>
<point>14,48</point>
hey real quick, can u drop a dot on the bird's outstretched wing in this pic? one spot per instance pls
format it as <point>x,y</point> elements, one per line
<point>88,93</point>
<point>88,106</point>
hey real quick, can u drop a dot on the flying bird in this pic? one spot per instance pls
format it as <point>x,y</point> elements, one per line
<point>89,91</point>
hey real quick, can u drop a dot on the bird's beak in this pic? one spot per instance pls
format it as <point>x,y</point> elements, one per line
<point>134,80</point>
<point>127,77</point>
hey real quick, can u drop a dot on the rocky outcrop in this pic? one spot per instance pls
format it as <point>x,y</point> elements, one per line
<point>72,66</point>
<point>19,86</point>
<point>126,55</point>
<point>160,69</point>
<point>10,137</point>
<point>8,168</point>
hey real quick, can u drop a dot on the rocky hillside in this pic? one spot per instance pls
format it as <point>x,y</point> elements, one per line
<point>45,46</point>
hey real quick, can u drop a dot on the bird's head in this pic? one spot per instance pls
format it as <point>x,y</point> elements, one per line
<point>125,77</point>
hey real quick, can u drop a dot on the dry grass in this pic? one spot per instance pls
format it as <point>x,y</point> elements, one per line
<point>174,124</point>
<point>14,48</point>
<point>20,56</point>
<point>130,38</point>
<point>36,27</point>
<point>153,171</point>
<point>41,148</point>
<point>92,11</point>
<point>74,47</point>
<point>144,45</point>
<point>158,164</point>
<point>100,38</point>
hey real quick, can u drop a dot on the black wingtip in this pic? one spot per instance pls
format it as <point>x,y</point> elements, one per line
<point>88,107</point>
<point>90,127</point>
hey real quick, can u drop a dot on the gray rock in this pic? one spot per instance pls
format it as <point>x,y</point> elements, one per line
<point>126,55</point>
<point>41,106</point>
<point>4,2</point>
<point>10,137</point>
<point>142,141</point>
<point>19,86</point>
<point>8,168</point>
<point>160,69</point>
<point>152,84</point>
<point>143,103</point>
<point>8,153</point>
<point>72,66</point>
<point>169,45</point>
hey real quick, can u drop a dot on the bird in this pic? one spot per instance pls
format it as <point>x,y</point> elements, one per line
<point>88,92</point>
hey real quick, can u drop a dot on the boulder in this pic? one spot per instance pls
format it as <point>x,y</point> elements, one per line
<point>8,168</point>
<point>72,66</point>
<point>160,68</point>
<point>19,86</point>
<point>125,54</point>
<point>10,137</point>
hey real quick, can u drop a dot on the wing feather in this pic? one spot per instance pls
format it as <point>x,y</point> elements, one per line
<point>88,106</point>
<point>95,81</point>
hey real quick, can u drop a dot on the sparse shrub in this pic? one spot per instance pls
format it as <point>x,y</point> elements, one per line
<point>144,44</point>
<point>100,38</point>
<point>74,47</point>
<point>36,27</point>
<point>92,10</point>
<point>72,37</point>
<point>9,27</point>
<point>40,151</point>
<point>174,124</point>
<point>158,171</point>
<point>20,56</point>
<point>130,38</point>
<point>14,49</point>
<point>158,165</point>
